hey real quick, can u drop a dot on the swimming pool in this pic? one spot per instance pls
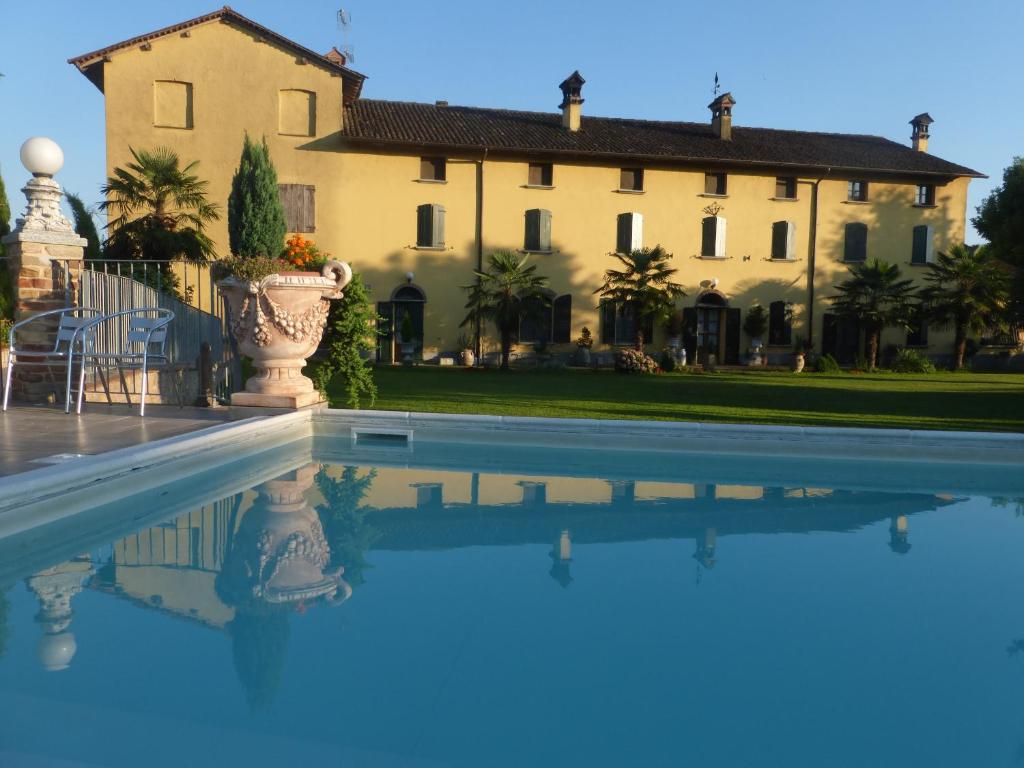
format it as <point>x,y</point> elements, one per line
<point>367,600</point>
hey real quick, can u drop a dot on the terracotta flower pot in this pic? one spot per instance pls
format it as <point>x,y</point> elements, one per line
<point>278,322</point>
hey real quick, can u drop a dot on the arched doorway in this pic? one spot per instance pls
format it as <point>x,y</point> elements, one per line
<point>712,327</point>
<point>400,338</point>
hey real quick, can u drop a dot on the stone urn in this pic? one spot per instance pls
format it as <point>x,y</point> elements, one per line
<point>278,322</point>
<point>279,555</point>
<point>799,361</point>
<point>467,357</point>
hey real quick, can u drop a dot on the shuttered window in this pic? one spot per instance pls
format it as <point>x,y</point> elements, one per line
<point>299,201</point>
<point>430,226</point>
<point>780,324</point>
<point>619,323</point>
<point>631,179</point>
<point>917,333</point>
<point>433,169</point>
<point>629,234</point>
<point>712,242</point>
<point>925,194</point>
<point>855,245</point>
<point>538,230</point>
<point>785,188</point>
<point>783,240</point>
<point>715,184</point>
<point>922,245</point>
<point>551,322</point>
<point>540,175</point>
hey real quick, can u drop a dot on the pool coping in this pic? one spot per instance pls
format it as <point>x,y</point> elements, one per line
<point>92,479</point>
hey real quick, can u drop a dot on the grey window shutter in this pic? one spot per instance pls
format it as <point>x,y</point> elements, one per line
<point>624,234</point>
<point>922,252</point>
<point>309,208</point>
<point>437,230</point>
<point>856,243</point>
<point>780,231</point>
<point>607,322</point>
<point>545,230</point>
<point>562,319</point>
<point>531,239</point>
<point>424,225</point>
<point>707,240</point>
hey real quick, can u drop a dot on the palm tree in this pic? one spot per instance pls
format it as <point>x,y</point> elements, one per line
<point>645,285</point>
<point>969,290</point>
<point>878,297</point>
<point>159,210</point>
<point>507,293</point>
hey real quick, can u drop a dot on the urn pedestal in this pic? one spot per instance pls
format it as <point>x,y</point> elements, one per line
<point>278,323</point>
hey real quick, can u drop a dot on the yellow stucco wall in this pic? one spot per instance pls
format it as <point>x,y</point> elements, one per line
<point>366,200</point>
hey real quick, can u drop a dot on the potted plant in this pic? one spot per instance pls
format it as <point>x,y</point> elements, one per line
<point>675,330</point>
<point>466,355</point>
<point>406,342</point>
<point>800,348</point>
<point>755,325</point>
<point>583,345</point>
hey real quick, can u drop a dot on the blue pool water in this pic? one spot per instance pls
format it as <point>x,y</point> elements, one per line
<point>450,607</point>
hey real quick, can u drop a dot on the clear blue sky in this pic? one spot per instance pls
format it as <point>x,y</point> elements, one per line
<point>859,67</point>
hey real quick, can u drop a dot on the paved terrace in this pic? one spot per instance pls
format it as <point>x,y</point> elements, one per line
<point>33,436</point>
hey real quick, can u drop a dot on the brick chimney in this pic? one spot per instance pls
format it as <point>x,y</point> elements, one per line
<point>336,56</point>
<point>919,137</point>
<point>721,116</point>
<point>571,100</point>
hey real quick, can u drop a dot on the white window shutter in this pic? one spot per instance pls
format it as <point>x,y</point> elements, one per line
<point>719,237</point>
<point>790,240</point>
<point>929,245</point>
<point>637,234</point>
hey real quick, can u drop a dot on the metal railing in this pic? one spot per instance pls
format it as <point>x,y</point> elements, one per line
<point>185,289</point>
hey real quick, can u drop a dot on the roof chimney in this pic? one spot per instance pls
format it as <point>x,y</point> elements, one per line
<point>335,56</point>
<point>571,100</point>
<point>721,116</point>
<point>919,137</point>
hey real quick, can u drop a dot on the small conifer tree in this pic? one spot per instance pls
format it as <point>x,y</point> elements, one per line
<point>256,221</point>
<point>5,214</point>
<point>85,227</point>
<point>350,331</point>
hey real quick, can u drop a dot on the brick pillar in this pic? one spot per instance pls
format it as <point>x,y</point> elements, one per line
<point>45,259</point>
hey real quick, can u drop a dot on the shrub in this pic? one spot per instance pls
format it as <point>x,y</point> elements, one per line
<point>256,221</point>
<point>350,332</point>
<point>828,364</point>
<point>249,270</point>
<point>912,361</point>
<point>634,361</point>
<point>303,253</point>
<point>667,361</point>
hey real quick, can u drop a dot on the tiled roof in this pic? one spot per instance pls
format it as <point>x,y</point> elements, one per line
<point>353,80</point>
<point>503,130</point>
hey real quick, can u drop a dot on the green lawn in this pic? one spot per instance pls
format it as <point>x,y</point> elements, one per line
<point>968,401</point>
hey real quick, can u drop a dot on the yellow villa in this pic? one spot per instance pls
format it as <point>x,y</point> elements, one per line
<point>416,195</point>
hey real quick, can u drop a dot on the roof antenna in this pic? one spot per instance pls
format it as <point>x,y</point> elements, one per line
<point>717,87</point>
<point>345,25</point>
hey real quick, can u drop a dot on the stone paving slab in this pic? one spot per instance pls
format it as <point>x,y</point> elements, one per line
<point>29,433</point>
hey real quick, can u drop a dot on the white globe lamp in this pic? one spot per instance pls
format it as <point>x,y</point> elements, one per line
<point>42,156</point>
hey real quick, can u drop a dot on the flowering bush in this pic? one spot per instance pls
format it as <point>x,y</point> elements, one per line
<point>634,361</point>
<point>303,254</point>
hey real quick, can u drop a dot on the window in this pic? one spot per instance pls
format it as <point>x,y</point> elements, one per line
<point>299,202</point>
<point>712,241</point>
<point>917,332</point>
<point>429,495</point>
<point>619,322</point>
<point>780,324</point>
<point>540,175</point>
<point>784,241</point>
<point>550,323</point>
<point>172,104</point>
<point>296,112</point>
<point>433,169</point>
<point>855,245</point>
<point>715,183</point>
<point>631,180</point>
<point>925,194</point>
<point>430,226</point>
<point>857,191</point>
<point>629,232</point>
<point>785,188</point>
<point>538,230</point>
<point>922,245</point>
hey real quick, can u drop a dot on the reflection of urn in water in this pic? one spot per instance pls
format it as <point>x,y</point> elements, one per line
<point>54,588</point>
<point>279,554</point>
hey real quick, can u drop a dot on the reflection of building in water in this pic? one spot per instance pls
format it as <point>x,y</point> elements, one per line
<point>898,541</point>
<point>705,553</point>
<point>55,587</point>
<point>561,557</point>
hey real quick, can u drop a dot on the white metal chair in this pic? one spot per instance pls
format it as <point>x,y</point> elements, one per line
<point>74,334</point>
<point>145,342</point>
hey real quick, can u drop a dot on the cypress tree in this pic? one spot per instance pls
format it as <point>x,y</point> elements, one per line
<point>5,214</point>
<point>85,227</point>
<point>256,222</point>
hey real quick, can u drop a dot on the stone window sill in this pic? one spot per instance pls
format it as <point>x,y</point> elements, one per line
<point>532,251</point>
<point>856,202</point>
<point>429,247</point>
<point>785,199</point>
<point>431,181</point>
<point>712,194</point>
<point>629,191</point>
<point>538,186</point>
<point>925,205</point>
